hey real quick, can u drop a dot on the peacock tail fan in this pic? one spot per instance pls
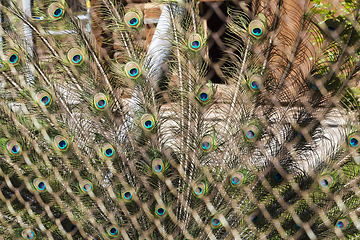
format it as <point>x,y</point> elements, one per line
<point>179,120</point>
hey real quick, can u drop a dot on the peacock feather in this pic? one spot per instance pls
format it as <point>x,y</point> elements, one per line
<point>106,134</point>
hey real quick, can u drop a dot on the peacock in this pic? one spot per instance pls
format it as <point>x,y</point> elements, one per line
<point>105,134</point>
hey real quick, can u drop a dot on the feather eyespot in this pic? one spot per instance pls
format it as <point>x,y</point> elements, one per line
<point>326,181</point>
<point>353,140</point>
<point>100,101</point>
<point>251,133</point>
<point>56,11</point>
<point>160,211</point>
<point>12,58</point>
<point>147,122</point>
<point>342,224</point>
<point>278,177</point>
<point>256,216</point>
<point>132,19</point>
<point>300,135</point>
<point>237,179</point>
<point>257,29</point>
<point>69,226</point>
<point>127,195</point>
<point>132,70</point>
<point>316,82</point>
<point>44,98</point>
<point>107,150</point>
<point>199,189</point>
<point>75,56</point>
<point>255,83</point>
<point>207,144</point>
<point>195,42</point>
<point>13,148</point>
<point>112,230</point>
<point>39,185</point>
<point>85,186</point>
<point>157,166</point>
<point>334,25</point>
<point>28,234</point>
<point>215,222</point>
<point>61,143</point>
<point>204,94</point>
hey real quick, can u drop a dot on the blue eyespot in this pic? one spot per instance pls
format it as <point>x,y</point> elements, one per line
<point>134,21</point>
<point>314,86</point>
<point>160,211</point>
<point>148,124</point>
<point>158,168</point>
<point>39,185</point>
<point>112,231</point>
<point>61,143</point>
<point>133,72</point>
<point>13,148</point>
<point>127,195</point>
<point>28,234</point>
<point>199,189</point>
<point>205,145</point>
<point>109,152</point>
<point>250,134</point>
<point>278,177</point>
<point>44,98</point>
<point>215,222</point>
<point>257,28</point>
<point>342,224</point>
<point>157,165</point>
<point>300,135</point>
<point>100,101</point>
<point>85,185</point>
<point>56,11</point>
<point>195,44</point>
<point>257,31</point>
<point>204,96</point>
<point>77,58</point>
<point>255,85</point>
<point>254,217</point>
<point>237,179</point>
<point>354,142</point>
<point>13,58</point>
<point>326,181</point>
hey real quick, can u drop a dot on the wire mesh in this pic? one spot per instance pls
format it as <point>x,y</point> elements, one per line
<point>179,120</point>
